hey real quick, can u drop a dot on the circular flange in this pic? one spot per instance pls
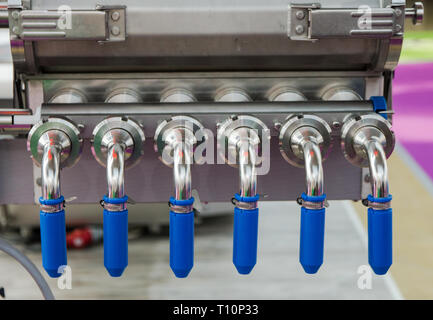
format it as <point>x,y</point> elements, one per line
<point>285,94</point>
<point>69,95</point>
<point>231,94</point>
<point>339,93</point>
<point>380,130</point>
<point>304,124</point>
<point>121,130</point>
<point>226,150</point>
<point>123,95</point>
<point>184,123</point>
<point>55,130</point>
<point>177,95</point>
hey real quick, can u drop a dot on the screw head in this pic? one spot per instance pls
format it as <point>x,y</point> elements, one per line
<point>300,14</point>
<point>299,29</point>
<point>16,30</point>
<point>115,16</point>
<point>367,178</point>
<point>115,31</point>
<point>336,125</point>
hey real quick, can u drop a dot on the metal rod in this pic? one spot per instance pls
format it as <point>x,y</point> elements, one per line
<point>378,169</point>
<point>182,158</point>
<point>98,109</point>
<point>247,170</point>
<point>115,171</point>
<point>51,172</point>
<point>313,168</point>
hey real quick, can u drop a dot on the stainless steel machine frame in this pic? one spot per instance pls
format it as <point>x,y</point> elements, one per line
<point>90,60</point>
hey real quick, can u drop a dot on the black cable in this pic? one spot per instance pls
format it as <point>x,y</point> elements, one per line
<point>29,266</point>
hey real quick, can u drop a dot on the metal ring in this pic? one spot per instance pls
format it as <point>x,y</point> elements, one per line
<point>121,123</point>
<point>355,123</point>
<point>66,126</point>
<point>296,122</point>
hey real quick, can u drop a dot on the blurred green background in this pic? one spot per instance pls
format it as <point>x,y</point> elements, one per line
<point>418,41</point>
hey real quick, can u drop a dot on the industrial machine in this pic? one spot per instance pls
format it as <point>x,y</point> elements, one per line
<point>184,93</point>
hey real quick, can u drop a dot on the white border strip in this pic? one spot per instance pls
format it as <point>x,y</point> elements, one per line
<point>356,221</point>
<point>415,168</point>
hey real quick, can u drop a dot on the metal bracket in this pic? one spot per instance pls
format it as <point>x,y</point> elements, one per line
<point>105,23</point>
<point>311,22</point>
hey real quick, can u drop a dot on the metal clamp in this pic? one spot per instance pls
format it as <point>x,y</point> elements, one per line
<point>52,205</point>
<point>113,206</point>
<point>105,23</point>
<point>312,22</point>
<point>181,206</point>
<point>313,202</point>
<point>376,205</point>
<point>244,205</point>
<point>180,209</point>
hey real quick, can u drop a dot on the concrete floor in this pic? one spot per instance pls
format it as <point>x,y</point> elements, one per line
<point>412,203</point>
<point>278,274</point>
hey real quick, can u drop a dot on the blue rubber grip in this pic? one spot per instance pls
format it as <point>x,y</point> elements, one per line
<point>53,242</point>
<point>312,239</point>
<point>245,232</point>
<point>181,243</point>
<point>115,241</point>
<point>380,240</point>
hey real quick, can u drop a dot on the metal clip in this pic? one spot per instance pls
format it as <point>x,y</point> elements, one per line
<point>312,22</point>
<point>113,207</point>
<point>376,205</point>
<point>244,205</point>
<point>180,209</point>
<point>312,205</point>
<point>105,23</point>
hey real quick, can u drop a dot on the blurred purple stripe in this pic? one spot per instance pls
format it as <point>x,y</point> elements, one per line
<point>413,105</point>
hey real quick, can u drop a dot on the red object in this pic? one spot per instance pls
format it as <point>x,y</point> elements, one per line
<point>79,238</point>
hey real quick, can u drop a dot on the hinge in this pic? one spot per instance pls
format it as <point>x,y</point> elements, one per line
<point>105,23</point>
<point>313,22</point>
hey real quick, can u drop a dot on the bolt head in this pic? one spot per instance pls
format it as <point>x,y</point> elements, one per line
<point>299,29</point>
<point>336,125</point>
<point>300,14</point>
<point>115,16</point>
<point>115,31</point>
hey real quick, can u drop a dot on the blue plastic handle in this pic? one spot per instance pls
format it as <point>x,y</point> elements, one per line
<point>53,242</point>
<point>312,239</point>
<point>115,241</point>
<point>245,232</point>
<point>380,240</point>
<point>181,243</point>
